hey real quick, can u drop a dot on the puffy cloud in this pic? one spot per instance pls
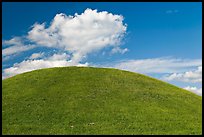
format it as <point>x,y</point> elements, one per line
<point>42,36</point>
<point>81,34</point>
<point>195,90</point>
<point>16,45</point>
<point>78,35</point>
<point>189,76</point>
<point>156,65</point>
<point>56,60</point>
<point>36,55</point>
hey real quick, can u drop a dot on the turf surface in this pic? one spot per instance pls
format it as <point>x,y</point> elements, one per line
<point>83,100</point>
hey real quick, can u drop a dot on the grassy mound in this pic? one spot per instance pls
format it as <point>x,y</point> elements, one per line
<point>82,100</point>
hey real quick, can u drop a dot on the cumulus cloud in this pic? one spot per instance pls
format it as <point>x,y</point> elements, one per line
<point>156,65</point>
<point>56,60</point>
<point>194,76</point>
<point>36,55</point>
<point>195,90</point>
<point>81,34</point>
<point>15,45</point>
<point>78,35</point>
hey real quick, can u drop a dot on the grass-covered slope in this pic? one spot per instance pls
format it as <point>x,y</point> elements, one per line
<point>76,100</point>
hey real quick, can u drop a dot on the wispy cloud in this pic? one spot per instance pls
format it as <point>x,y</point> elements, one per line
<point>119,50</point>
<point>56,60</point>
<point>195,90</point>
<point>55,56</point>
<point>15,46</point>
<point>13,41</point>
<point>193,76</point>
<point>156,65</point>
<point>36,55</point>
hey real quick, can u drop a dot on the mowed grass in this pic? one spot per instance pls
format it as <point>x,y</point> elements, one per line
<point>83,100</point>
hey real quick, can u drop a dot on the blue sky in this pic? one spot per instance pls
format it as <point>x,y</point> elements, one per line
<point>163,40</point>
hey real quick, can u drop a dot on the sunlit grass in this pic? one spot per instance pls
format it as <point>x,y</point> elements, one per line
<point>82,100</point>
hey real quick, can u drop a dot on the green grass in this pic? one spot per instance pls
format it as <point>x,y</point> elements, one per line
<point>82,100</point>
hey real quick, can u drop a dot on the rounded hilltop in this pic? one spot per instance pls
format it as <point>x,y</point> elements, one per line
<point>85,100</point>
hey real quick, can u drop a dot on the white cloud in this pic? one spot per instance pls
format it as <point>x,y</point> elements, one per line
<point>63,56</point>
<point>119,50</point>
<point>13,41</point>
<point>36,55</point>
<point>195,90</point>
<point>30,65</point>
<point>43,36</point>
<point>17,46</point>
<point>156,65</point>
<point>194,76</point>
<point>15,49</point>
<point>56,60</point>
<point>81,34</point>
